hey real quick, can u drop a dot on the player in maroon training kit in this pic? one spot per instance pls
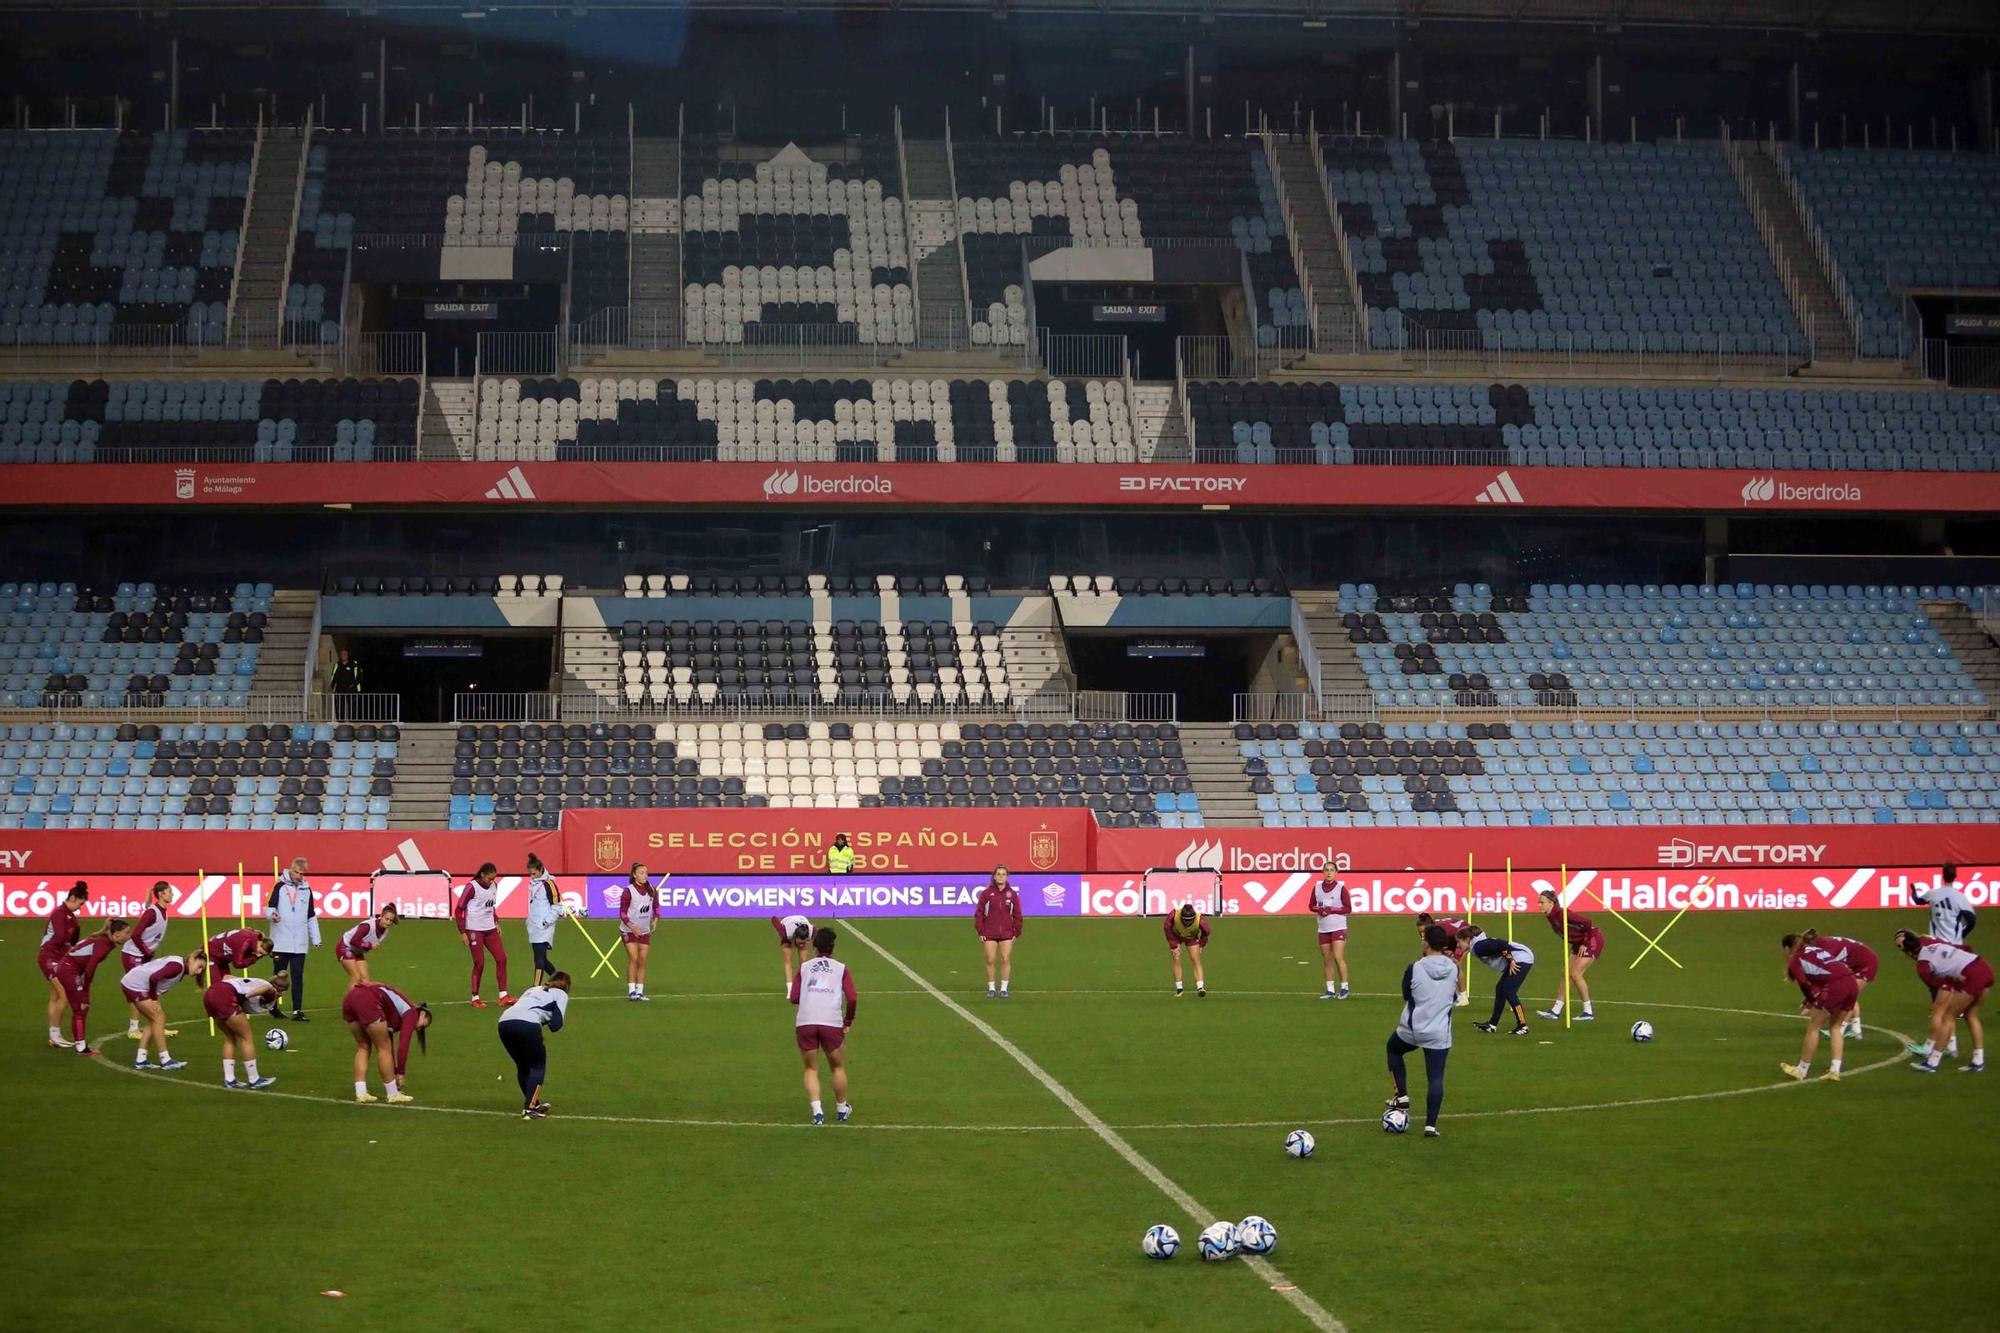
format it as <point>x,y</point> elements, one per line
<point>374,1012</point>
<point>78,969</point>
<point>357,942</point>
<point>1860,959</point>
<point>1585,943</point>
<point>230,1001</point>
<point>996,916</point>
<point>57,937</point>
<point>236,950</point>
<point>1830,991</point>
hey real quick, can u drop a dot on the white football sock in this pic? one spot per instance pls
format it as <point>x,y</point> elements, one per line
<point>817,1109</point>
<point>1979,1055</point>
<point>229,1071</point>
<point>843,1107</point>
<point>55,1034</point>
<point>1836,1066</point>
<point>163,1057</point>
<point>390,1087</point>
<point>250,1070</point>
<point>361,1088</point>
<point>1003,988</point>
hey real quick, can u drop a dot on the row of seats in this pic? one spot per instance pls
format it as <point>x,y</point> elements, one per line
<point>210,420</point>
<point>1359,775</point>
<point>61,645</point>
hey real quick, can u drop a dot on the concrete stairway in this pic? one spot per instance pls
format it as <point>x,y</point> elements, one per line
<point>448,431</point>
<point>1970,643</point>
<point>1339,668</point>
<point>1157,425</point>
<point>1813,301</point>
<point>1036,659</point>
<point>257,303</point>
<point>589,663</point>
<point>281,659</point>
<point>1316,248</point>
<point>656,240</point>
<point>1217,772</point>
<point>934,228</point>
<point>422,798</point>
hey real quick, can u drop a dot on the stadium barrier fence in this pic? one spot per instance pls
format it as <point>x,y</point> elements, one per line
<point>773,705</point>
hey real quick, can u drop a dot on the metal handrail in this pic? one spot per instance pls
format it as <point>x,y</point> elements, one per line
<point>243,234</point>
<point>909,213</point>
<point>957,233</point>
<point>1829,263</point>
<point>1734,153</point>
<point>1359,706</point>
<point>1308,647</point>
<point>298,200</point>
<point>1058,705</point>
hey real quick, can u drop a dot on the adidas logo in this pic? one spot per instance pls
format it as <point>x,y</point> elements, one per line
<point>1759,490</point>
<point>782,482</point>
<point>1500,491</point>
<point>513,486</point>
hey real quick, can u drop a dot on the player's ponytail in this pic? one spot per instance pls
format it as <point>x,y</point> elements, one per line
<point>1908,942</point>
<point>1791,943</point>
<point>79,891</point>
<point>1810,936</point>
<point>423,1027</point>
<point>560,981</point>
<point>534,864</point>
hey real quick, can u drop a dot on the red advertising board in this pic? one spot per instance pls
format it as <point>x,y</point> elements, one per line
<point>101,852</point>
<point>1587,888</point>
<point>1697,847</point>
<point>794,841</point>
<point>1003,485</point>
<point>225,898</point>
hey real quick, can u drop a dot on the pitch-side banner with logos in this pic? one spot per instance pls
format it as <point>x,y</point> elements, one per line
<point>795,841</point>
<point>1093,485</point>
<point>89,852</point>
<point>824,897</point>
<point>1699,848</point>
<point>225,899</point>
<point>1491,894</point>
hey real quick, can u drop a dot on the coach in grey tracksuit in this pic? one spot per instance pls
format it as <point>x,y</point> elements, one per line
<point>1430,988</point>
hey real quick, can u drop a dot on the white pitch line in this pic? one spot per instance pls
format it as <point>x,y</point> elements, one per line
<point>1316,1314</point>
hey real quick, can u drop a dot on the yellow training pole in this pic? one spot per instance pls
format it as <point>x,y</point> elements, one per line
<point>603,957</point>
<point>1562,897</point>
<point>201,879</point>
<point>241,919</point>
<point>1510,898</point>
<point>1465,977</point>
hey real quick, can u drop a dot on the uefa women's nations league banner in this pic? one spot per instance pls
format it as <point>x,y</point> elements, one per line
<point>822,897</point>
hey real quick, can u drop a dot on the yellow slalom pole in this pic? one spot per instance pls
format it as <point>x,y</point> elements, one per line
<point>1510,898</point>
<point>201,880</point>
<point>603,957</point>
<point>241,917</point>
<point>1562,896</point>
<point>1465,976</point>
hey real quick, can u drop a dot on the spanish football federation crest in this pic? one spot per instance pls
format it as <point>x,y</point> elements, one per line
<point>1043,849</point>
<point>607,849</point>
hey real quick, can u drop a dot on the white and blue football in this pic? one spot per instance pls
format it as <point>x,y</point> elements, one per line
<point>276,1039</point>
<point>1642,1031</point>
<point>1217,1241</point>
<point>1300,1143</point>
<point>1256,1236</point>
<point>1395,1121</point>
<point>1161,1242</point>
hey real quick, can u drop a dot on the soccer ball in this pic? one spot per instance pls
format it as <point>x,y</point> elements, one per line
<point>1256,1236</point>
<point>1299,1143</point>
<point>1161,1242</point>
<point>1218,1241</point>
<point>276,1039</point>
<point>1395,1121</point>
<point>1642,1031</point>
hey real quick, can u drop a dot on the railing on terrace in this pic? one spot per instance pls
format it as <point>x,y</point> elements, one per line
<point>171,346</point>
<point>1339,707</point>
<point>1093,356</point>
<point>369,708</point>
<point>1084,706</point>
<point>1435,350</point>
<point>519,354</point>
<point>1504,707</point>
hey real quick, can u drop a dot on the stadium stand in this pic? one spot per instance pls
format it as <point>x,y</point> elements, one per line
<point>1896,430</point>
<point>136,646</point>
<point>806,420</point>
<point>1670,647</point>
<point>209,420</point>
<point>1900,219</point>
<point>120,238</point>
<point>1131,775</point>
<point>1546,246</point>
<point>1127,192</point>
<point>1360,774</point>
<point>197,776</point>
<point>773,245</point>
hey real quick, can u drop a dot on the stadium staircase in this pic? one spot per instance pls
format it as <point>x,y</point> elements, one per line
<point>282,659</point>
<point>1158,426</point>
<point>449,428</point>
<point>1317,249</point>
<point>656,232</point>
<point>933,225</point>
<point>1970,641</point>
<point>1036,659</point>
<point>258,302</point>
<point>422,798</point>
<point>1216,768</point>
<point>1340,670</point>
<point>1813,300</point>
<point>589,662</point>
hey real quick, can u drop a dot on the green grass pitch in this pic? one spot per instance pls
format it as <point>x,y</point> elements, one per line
<point>679,1185</point>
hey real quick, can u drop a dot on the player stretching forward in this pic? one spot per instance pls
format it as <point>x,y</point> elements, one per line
<point>1513,962</point>
<point>149,932</point>
<point>360,940</point>
<point>236,950</point>
<point>638,912</point>
<point>144,984</point>
<point>57,937</point>
<point>1959,979</point>
<point>1586,946</point>
<point>230,1001</point>
<point>1450,925</point>
<point>1830,990</point>
<point>997,919</point>
<point>1185,929</point>
<point>1860,959</point>
<point>1331,904</point>
<point>824,992</point>
<point>794,934</point>
<point>372,1011</point>
<point>477,916</point>
<point>78,969</point>
<point>543,1006</point>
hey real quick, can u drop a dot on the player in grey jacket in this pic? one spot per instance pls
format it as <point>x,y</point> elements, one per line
<point>1430,989</point>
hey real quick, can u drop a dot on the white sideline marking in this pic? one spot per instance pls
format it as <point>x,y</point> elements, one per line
<point>1315,1313</point>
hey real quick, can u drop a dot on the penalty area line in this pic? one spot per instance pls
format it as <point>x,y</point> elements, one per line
<point>1316,1314</point>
